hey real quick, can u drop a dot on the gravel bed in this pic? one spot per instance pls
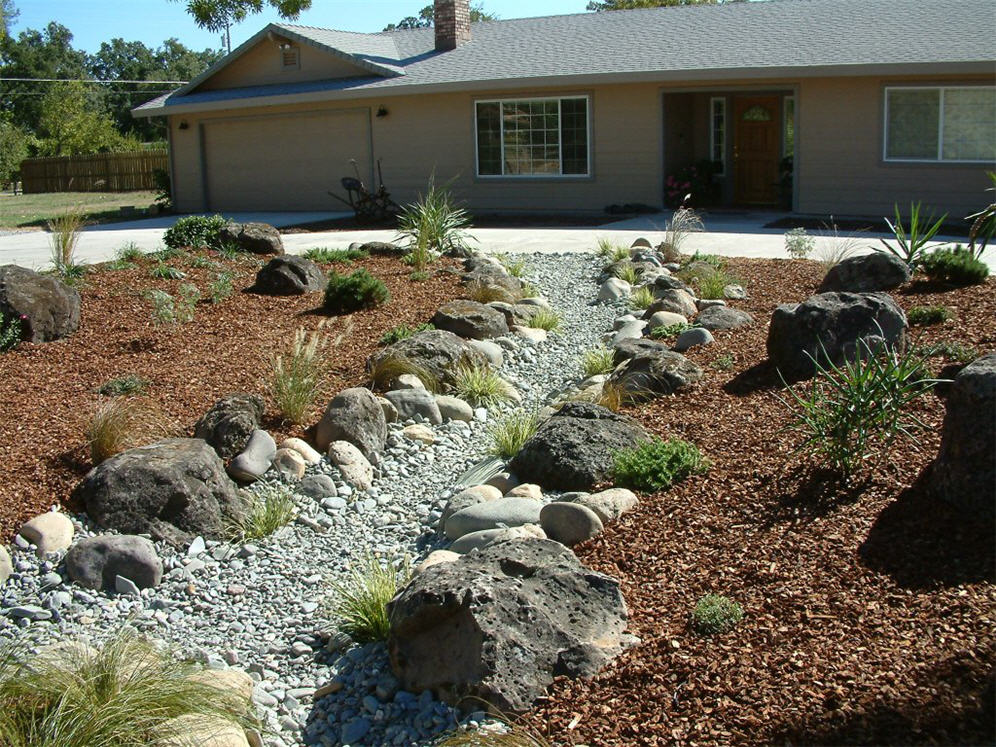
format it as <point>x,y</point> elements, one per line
<point>262,606</point>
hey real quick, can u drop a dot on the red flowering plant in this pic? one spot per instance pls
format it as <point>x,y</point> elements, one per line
<point>692,185</point>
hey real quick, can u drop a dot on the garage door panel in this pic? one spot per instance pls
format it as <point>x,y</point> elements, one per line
<point>284,162</point>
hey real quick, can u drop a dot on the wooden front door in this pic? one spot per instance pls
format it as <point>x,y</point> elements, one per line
<point>757,145</point>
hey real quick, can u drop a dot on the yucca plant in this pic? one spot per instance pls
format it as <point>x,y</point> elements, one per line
<point>360,602</point>
<point>434,223</point>
<point>911,244</point>
<point>851,408</point>
<point>126,693</point>
<point>510,433</point>
<point>65,235</point>
<point>297,375</point>
<point>125,423</point>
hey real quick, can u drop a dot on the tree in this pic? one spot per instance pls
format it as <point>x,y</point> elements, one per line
<point>14,144</point>
<point>70,124</point>
<point>8,14</point>
<point>221,15</point>
<point>425,17</point>
<point>630,4</point>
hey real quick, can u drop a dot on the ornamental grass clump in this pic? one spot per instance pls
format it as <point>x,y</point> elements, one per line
<point>597,361</point>
<point>626,272</point>
<point>297,375</point>
<point>480,385</point>
<point>683,222</point>
<point>507,734</point>
<point>125,423</point>
<point>359,290</point>
<point>510,433</point>
<point>851,409</point>
<point>65,235</point>
<point>385,369</point>
<point>360,602</point>
<point>545,319</point>
<point>127,692</point>
<point>264,511</point>
<point>714,614</point>
<point>612,252</point>
<point>657,464</point>
<point>433,224</point>
<point>641,298</point>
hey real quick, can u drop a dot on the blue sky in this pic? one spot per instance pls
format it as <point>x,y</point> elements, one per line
<point>152,21</point>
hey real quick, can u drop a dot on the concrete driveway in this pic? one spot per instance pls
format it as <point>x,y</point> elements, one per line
<point>730,234</point>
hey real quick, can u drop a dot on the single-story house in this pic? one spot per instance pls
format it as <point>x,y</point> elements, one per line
<point>840,107</point>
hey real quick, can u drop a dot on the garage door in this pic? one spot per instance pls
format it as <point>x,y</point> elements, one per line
<point>286,162</point>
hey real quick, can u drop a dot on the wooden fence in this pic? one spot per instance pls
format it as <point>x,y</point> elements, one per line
<point>103,172</point>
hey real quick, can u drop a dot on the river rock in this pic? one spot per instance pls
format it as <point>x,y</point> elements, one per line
<point>505,512</point>
<point>485,537</point>
<point>96,562</point>
<point>355,468</point>
<point>289,275</point>
<point>435,558</point>
<point>613,290</point>
<point>49,532</point>
<point>472,609</point>
<point>254,238</point>
<point>412,402</point>
<point>608,505</point>
<point>723,317</point>
<point>867,273</point>
<point>303,448</point>
<point>569,523</point>
<point>470,319</point>
<point>290,464</point>
<point>418,432</point>
<point>692,338</point>
<point>6,567</point>
<point>490,350</point>
<point>655,372</point>
<point>256,459</point>
<point>317,487</point>
<point>440,353</point>
<point>454,408</point>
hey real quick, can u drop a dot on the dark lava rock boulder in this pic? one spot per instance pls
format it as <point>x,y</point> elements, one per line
<point>254,238</point>
<point>94,562</point>
<point>172,490</point>
<point>48,308</point>
<point>878,271</point>
<point>438,352</point>
<point>289,275</point>
<point>832,326</point>
<point>722,317</point>
<point>651,373</point>
<point>230,423</point>
<point>486,273</point>
<point>964,473</point>
<point>383,248</point>
<point>470,319</point>
<point>353,415</point>
<point>573,449</point>
<point>500,623</point>
<point>630,348</point>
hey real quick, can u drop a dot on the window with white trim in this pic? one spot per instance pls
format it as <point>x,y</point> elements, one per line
<point>941,123</point>
<point>717,133</point>
<point>533,137</point>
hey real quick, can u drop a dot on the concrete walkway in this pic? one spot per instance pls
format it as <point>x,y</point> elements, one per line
<point>728,234</point>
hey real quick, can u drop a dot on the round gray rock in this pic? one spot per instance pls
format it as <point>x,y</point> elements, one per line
<point>96,561</point>
<point>289,275</point>
<point>254,238</point>
<point>504,512</point>
<point>674,300</point>
<point>256,459</point>
<point>412,402</point>
<point>470,319</point>
<point>569,523</point>
<point>353,415</point>
<point>691,338</point>
<point>723,317</point>
<point>878,271</point>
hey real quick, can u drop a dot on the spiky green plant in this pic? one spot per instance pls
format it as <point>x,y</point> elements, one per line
<point>434,223</point>
<point>597,361</point>
<point>359,605</point>
<point>509,734</point>
<point>126,693</point>
<point>546,319</point>
<point>297,375</point>
<point>480,385</point>
<point>641,298</point>
<point>11,331</point>
<point>683,222</point>
<point>508,434</point>
<point>516,267</point>
<point>264,510</point>
<point>911,244</point>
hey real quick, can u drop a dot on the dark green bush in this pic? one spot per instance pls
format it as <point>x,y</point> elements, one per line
<point>195,231</point>
<point>403,332</point>
<point>715,614</point>
<point>656,465</point>
<point>926,315</point>
<point>360,290</point>
<point>11,331</point>
<point>957,266</point>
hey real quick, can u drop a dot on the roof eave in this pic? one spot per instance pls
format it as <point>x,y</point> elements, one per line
<point>712,75</point>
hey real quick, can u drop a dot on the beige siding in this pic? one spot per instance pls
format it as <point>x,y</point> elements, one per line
<point>839,135</point>
<point>263,65</point>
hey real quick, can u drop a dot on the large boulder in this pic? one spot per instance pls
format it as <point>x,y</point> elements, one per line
<point>254,238</point>
<point>491,275</point>
<point>723,317</point>
<point>461,629</point>
<point>48,308</point>
<point>172,490</point>
<point>573,449</point>
<point>649,373</point>
<point>470,319</point>
<point>95,562</point>
<point>832,327</point>
<point>440,353</point>
<point>626,349</point>
<point>964,472</point>
<point>878,271</point>
<point>353,415</point>
<point>229,424</point>
<point>289,275</point>
<point>673,300</point>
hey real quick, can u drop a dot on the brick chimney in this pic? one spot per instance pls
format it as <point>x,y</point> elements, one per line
<point>452,22</point>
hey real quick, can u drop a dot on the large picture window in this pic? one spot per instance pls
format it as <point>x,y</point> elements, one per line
<point>533,137</point>
<point>941,124</point>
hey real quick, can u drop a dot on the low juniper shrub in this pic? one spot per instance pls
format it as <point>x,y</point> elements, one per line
<point>926,315</point>
<point>957,266</point>
<point>359,290</point>
<point>657,464</point>
<point>195,231</point>
<point>714,614</point>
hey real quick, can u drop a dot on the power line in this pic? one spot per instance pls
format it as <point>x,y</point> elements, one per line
<point>94,80</point>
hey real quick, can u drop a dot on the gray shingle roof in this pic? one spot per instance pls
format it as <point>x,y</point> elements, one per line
<point>686,42</point>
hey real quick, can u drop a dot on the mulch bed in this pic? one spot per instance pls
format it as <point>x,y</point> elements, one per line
<point>49,391</point>
<point>870,610</point>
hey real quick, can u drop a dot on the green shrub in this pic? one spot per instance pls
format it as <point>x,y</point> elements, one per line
<point>799,244</point>
<point>165,254</point>
<point>929,315</point>
<point>130,252</point>
<point>627,272</point>
<point>221,287</point>
<point>324,255</point>
<point>724,362</point>
<point>715,614</point>
<point>188,296</point>
<point>597,361</point>
<point>403,332</point>
<point>418,276</point>
<point>657,464</point>
<point>203,263</point>
<point>546,319</point>
<point>123,385</point>
<point>360,290</point>
<point>297,375</point>
<point>957,266</point>
<point>360,602</point>
<point>641,298</point>
<point>195,232</point>
<point>126,693</point>
<point>481,386</point>
<point>851,408</point>
<point>669,330</point>
<point>11,331</point>
<point>164,272</point>
<point>508,435</point>
<point>950,349</point>
<point>163,307</point>
<point>264,510</point>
